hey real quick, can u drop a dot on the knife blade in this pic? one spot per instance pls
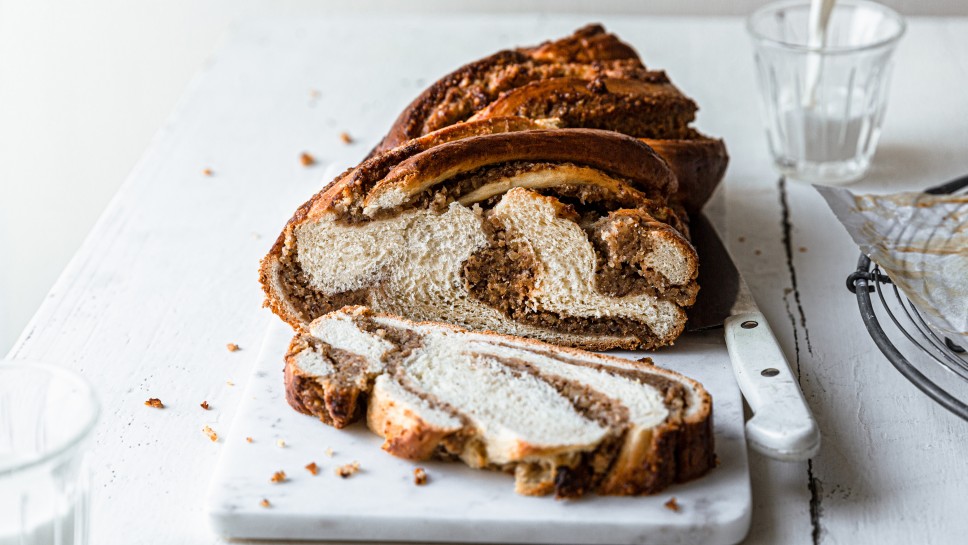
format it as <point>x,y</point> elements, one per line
<point>782,426</point>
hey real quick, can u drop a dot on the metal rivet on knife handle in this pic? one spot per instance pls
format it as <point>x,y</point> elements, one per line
<point>769,371</point>
<point>749,324</point>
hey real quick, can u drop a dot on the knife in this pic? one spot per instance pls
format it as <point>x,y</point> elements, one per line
<point>782,426</point>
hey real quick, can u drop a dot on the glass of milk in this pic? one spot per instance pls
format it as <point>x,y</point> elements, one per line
<point>824,83</point>
<point>47,415</point>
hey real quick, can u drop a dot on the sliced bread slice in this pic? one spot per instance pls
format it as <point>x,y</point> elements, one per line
<point>561,420</point>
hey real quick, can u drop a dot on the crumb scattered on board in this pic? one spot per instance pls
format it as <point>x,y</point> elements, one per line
<point>672,505</point>
<point>232,347</point>
<point>281,443</point>
<point>204,405</point>
<point>419,476</point>
<point>278,477</point>
<point>312,468</point>
<point>345,137</point>
<point>347,470</point>
<point>329,452</point>
<point>265,503</point>
<point>155,402</point>
<point>210,433</point>
<point>307,160</point>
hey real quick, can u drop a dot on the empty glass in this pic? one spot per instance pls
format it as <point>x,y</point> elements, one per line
<point>47,415</point>
<point>823,103</point>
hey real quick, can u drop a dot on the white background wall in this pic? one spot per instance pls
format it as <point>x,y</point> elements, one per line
<point>85,85</point>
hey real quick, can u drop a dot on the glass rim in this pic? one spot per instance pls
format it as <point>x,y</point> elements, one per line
<point>827,50</point>
<point>83,432</point>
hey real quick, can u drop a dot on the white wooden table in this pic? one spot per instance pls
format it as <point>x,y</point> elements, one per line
<point>167,277</point>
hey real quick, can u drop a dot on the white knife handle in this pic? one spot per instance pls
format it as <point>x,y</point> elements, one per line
<point>782,426</point>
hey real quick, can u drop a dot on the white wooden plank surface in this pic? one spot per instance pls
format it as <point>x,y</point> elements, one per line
<point>167,277</point>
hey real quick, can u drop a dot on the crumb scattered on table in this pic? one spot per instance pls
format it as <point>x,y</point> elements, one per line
<point>229,383</point>
<point>345,137</point>
<point>278,477</point>
<point>210,433</point>
<point>207,171</point>
<point>281,443</point>
<point>312,468</point>
<point>248,439</point>
<point>265,503</point>
<point>757,252</point>
<point>315,93</point>
<point>347,470</point>
<point>803,249</point>
<point>232,347</point>
<point>419,476</point>
<point>306,160</point>
<point>204,405</point>
<point>329,452</point>
<point>672,505</point>
<point>742,239</point>
<point>155,402</point>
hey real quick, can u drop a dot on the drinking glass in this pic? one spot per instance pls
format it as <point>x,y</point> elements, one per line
<point>823,104</point>
<point>47,415</point>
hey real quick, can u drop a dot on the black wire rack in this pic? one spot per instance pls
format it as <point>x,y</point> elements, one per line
<point>926,348</point>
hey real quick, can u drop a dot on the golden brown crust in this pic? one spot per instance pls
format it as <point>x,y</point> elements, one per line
<point>590,52</point>
<point>653,109</point>
<point>589,79</point>
<point>589,43</point>
<point>604,150</point>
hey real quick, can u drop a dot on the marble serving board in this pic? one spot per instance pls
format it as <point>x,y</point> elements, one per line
<point>458,504</point>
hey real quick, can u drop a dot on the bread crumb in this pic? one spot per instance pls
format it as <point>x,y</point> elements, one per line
<point>281,443</point>
<point>229,383</point>
<point>307,160</point>
<point>207,171</point>
<point>278,477</point>
<point>210,433</point>
<point>204,405</point>
<point>803,249</point>
<point>312,468</point>
<point>672,505</point>
<point>248,439</point>
<point>155,402</point>
<point>265,503</point>
<point>419,476</point>
<point>742,239</point>
<point>329,452</point>
<point>345,137</point>
<point>757,252</point>
<point>347,470</point>
<point>315,93</point>
<point>232,347</point>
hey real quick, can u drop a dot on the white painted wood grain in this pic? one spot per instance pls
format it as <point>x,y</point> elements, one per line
<point>167,277</point>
